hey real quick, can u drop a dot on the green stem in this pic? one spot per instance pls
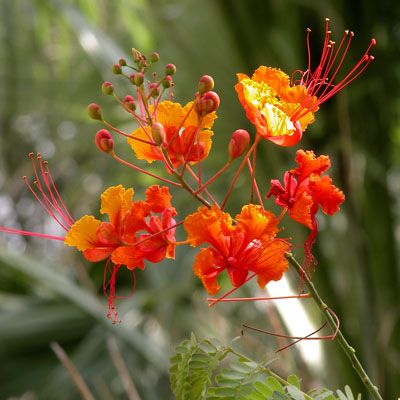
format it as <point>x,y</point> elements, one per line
<point>349,351</point>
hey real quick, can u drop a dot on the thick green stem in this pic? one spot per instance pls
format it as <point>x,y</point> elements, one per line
<point>349,351</point>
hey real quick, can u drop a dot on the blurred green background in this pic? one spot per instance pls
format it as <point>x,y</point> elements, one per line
<point>54,56</point>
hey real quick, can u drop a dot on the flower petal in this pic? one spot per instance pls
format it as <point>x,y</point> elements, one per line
<point>116,201</point>
<point>158,198</point>
<point>129,256</point>
<point>309,164</point>
<point>328,196</point>
<point>82,234</point>
<point>204,268</point>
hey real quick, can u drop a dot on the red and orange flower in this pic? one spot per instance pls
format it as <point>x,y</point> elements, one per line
<point>187,136</point>
<point>280,109</point>
<point>120,240</point>
<point>249,245</point>
<point>304,191</point>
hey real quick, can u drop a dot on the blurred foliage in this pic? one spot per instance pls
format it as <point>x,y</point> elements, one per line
<point>54,56</point>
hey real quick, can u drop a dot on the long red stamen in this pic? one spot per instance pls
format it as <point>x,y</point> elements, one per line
<point>239,299</point>
<point>254,185</point>
<point>29,233</point>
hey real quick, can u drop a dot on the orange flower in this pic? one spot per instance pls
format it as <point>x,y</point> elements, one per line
<point>119,240</point>
<point>184,137</point>
<point>304,191</point>
<point>248,245</point>
<point>280,109</point>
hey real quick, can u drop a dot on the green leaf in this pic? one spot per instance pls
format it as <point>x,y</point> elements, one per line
<point>294,381</point>
<point>274,384</point>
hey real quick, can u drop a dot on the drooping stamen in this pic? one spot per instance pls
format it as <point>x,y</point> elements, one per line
<point>254,185</point>
<point>112,313</point>
<point>239,299</point>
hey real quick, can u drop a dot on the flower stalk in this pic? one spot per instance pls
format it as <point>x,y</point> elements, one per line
<point>348,350</point>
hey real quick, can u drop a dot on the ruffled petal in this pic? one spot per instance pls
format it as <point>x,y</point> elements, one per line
<point>144,151</point>
<point>82,234</point>
<point>129,256</point>
<point>116,201</point>
<point>328,196</point>
<point>206,225</point>
<point>272,262</point>
<point>256,222</point>
<point>302,209</point>
<point>158,198</point>
<point>98,254</point>
<point>310,164</point>
<point>204,268</point>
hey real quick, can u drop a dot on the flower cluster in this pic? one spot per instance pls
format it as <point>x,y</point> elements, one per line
<point>179,137</point>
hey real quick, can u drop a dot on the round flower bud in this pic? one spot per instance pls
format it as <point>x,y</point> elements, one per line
<point>154,57</point>
<point>158,133</point>
<point>238,144</point>
<point>170,69</point>
<point>166,82</point>
<point>122,62</point>
<point>206,84</point>
<point>154,89</point>
<point>94,111</point>
<point>104,141</point>
<point>116,69</point>
<point>129,103</point>
<point>136,55</point>
<point>107,88</point>
<point>137,78</point>
<point>207,103</point>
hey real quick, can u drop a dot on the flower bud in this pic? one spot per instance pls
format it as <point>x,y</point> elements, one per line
<point>116,69</point>
<point>104,141</point>
<point>166,82</point>
<point>170,69</point>
<point>129,103</point>
<point>107,88</point>
<point>207,103</point>
<point>158,133</point>
<point>137,78</point>
<point>238,144</point>
<point>154,57</point>
<point>94,111</point>
<point>206,84</point>
<point>154,89</point>
<point>122,62</point>
<point>137,55</point>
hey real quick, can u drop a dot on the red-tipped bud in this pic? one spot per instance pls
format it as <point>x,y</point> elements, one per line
<point>170,69</point>
<point>167,82</point>
<point>207,103</point>
<point>104,141</point>
<point>137,78</point>
<point>122,62</point>
<point>158,133</point>
<point>129,103</point>
<point>238,144</point>
<point>154,90</point>
<point>206,84</point>
<point>107,88</point>
<point>94,111</point>
<point>154,57</point>
<point>116,69</point>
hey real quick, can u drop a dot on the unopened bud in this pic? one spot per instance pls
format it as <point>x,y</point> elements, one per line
<point>167,82</point>
<point>107,88</point>
<point>170,69</point>
<point>137,78</point>
<point>104,141</point>
<point>94,111</point>
<point>122,62</point>
<point>238,144</point>
<point>207,103</point>
<point>154,57</point>
<point>137,55</point>
<point>154,89</point>
<point>158,133</point>
<point>116,69</point>
<point>129,103</point>
<point>206,84</point>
